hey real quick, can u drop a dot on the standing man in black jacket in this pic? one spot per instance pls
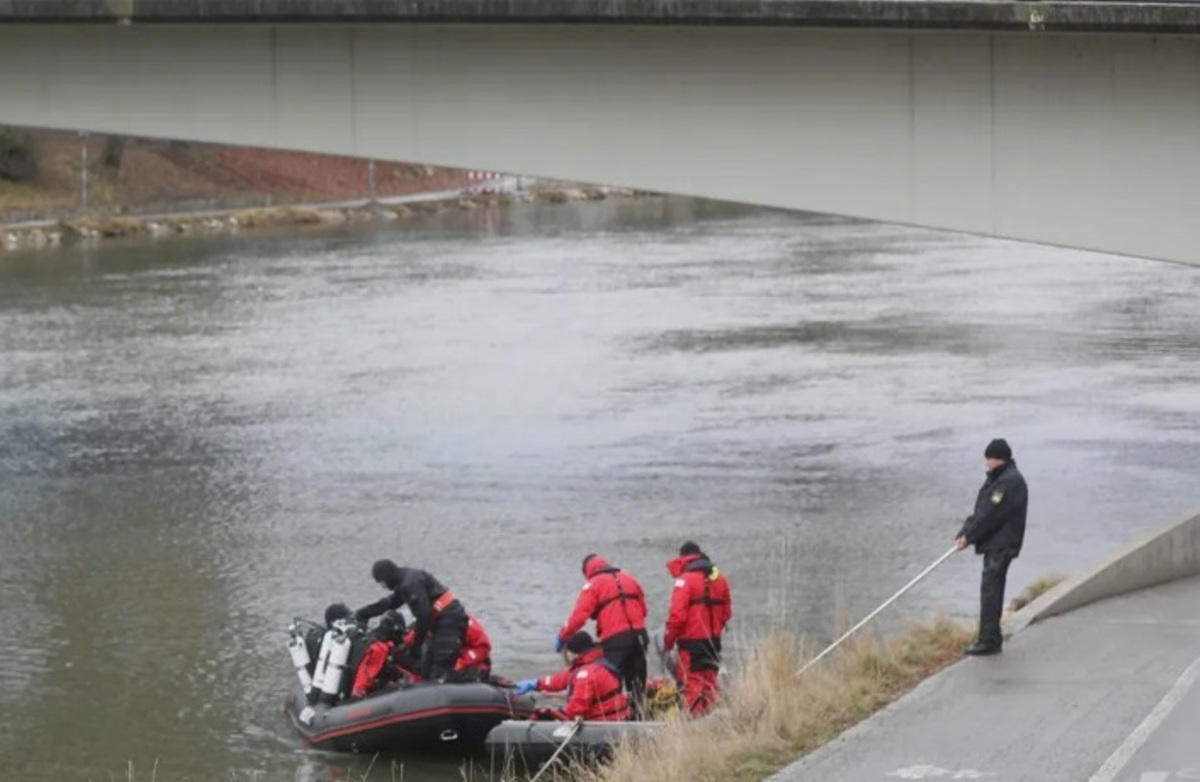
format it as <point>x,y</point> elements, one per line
<point>996,529</point>
<point>437,615</point>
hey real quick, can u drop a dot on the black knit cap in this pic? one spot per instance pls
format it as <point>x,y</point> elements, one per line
<point>335,612</point>
<point>580,642</point>
<point>998,449</point>
<point>391,626</point>
<point>689,548</point>
<point>386,572</point>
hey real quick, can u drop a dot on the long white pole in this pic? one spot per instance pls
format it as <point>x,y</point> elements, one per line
<point>874,613</point>
<point>573,732</point>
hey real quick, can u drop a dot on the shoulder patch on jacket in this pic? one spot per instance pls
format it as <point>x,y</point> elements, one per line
<point>582,674</point>
<point>586,587</point>
<point>679,582</point>
<point>997,496</point>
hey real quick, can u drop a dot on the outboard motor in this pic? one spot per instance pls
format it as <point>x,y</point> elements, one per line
<point>298,649</point>
<point>331,664</point>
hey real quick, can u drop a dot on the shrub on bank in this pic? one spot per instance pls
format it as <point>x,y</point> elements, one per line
<point>18,155</point>
<point>1035,590</point>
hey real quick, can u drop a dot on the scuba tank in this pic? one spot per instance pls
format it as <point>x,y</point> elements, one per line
<point>331,665</point>
<point>298,649</point>
<point>318,676</point>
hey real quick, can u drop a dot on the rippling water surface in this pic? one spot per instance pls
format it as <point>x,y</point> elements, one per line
<point>201,438</point>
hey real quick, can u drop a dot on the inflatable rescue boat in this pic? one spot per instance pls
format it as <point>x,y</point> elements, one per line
<point>425,716</point>
<point>429,717</point>
<point>536,742</point>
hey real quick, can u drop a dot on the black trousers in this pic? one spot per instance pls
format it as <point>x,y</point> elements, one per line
<point>627,653</point>
<point>443,645</point>
<point>991,595</point>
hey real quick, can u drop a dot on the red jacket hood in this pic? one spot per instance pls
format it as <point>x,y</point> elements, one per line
<point>595,565</point>
<point>676,566</point>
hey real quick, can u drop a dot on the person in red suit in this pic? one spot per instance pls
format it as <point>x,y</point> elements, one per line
<point>474,662</point>
<point>593,684</point>
<point>614,600</point>
<point>701,605</point>
<point>384,661</point>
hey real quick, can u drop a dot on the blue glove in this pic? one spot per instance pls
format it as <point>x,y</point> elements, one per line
<point>558,643</point>
<point>525,685</point>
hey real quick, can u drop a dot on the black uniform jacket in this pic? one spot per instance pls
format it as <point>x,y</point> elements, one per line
<point>998,523</point>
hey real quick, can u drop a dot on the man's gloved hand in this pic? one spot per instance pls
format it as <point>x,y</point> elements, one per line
<point>558,643</point>
<point>524,686</point>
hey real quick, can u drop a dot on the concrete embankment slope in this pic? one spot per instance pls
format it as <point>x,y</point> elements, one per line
<point>1065,696</point>
<point>1102,691</point>
<point>1161,556</point>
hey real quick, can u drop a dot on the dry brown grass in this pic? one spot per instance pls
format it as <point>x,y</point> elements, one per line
<point>1035,590</point>
<point>32,196</point>
<point>108,227</point>
<point>770,716</point>
<point>266,217</point>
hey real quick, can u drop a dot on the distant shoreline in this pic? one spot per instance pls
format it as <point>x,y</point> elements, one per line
<point>98,227</point>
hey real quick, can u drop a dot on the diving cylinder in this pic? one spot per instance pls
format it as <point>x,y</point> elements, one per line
<point>300,659</point>
<point>318,677</point>
<point>335,668</point>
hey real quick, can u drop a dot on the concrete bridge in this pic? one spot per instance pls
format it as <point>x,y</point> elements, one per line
<point>1072,123</point>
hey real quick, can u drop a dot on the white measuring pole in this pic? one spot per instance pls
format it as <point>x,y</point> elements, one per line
<point>873,614</point>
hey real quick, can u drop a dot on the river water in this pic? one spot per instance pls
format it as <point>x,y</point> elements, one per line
<point>201,438</point>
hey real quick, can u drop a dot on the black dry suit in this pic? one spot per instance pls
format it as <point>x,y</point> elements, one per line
<point>436,615</point>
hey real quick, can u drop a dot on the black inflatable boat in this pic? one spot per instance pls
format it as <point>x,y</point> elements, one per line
<point>534,742</point>
<point>429,717</point>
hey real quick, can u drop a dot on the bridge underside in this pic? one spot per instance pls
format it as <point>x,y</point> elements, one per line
<point>1090,141</point>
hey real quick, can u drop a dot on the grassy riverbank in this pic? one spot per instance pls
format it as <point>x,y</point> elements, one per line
<point>106,226</point>
<point>771,716</point>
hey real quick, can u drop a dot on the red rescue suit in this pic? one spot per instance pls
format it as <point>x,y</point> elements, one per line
<point>376,669</point>
<point>701,605</point>
<point>476,649</point>
<point>611,597</point>
<point>593,689</point>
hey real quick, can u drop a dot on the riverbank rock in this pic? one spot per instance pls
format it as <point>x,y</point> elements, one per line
<point>110,226</point>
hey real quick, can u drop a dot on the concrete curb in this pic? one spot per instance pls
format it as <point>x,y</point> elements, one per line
<point>1165,555</point>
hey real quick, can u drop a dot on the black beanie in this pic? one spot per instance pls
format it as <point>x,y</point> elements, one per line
<point>580,642</point>
<point>386,572</point>
<point>998,449</point>
<point>335,612</point>
<point>391,626</point>
<point>689,548</point>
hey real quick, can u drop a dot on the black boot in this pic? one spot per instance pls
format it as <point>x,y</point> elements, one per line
<point>980,649</point>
